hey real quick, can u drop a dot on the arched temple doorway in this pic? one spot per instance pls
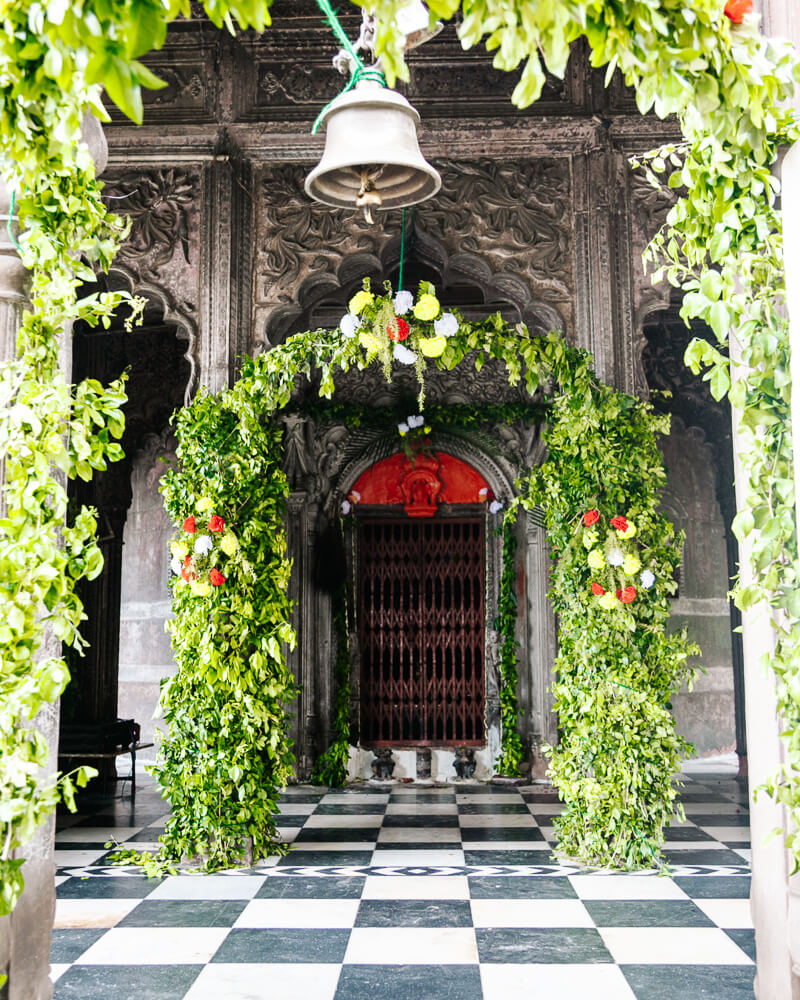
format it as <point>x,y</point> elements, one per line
<point>421,604</point>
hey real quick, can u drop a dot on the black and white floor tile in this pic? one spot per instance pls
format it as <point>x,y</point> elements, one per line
<point>409,893</point>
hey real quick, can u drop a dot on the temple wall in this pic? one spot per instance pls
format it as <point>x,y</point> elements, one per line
<point>705,715</point>
<point>145,656</point>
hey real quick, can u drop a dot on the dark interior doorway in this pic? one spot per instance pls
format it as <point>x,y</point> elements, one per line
<point>421,631</point>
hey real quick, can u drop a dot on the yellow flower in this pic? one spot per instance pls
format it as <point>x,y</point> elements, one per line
<point>205,504</point>
<point>229,544</point>
<point>607,602</point>
<point>590,539</point>
<point>432,347</point>
<point>427,308</point>
<point>371,343</point>
<point>360,300</point>
<point>629,532</point>
<point>200,588</point>
<point>632,564</point>
<point>179,549</point>
<point>596,559</point>
<point>427,429</point>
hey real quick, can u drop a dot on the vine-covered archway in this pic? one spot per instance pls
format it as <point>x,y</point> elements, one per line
<point>227,753</point>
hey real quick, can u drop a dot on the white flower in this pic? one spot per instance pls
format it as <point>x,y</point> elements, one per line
<point>495,506</point>
<point>446,325</point>
<point>345,506</point>
<point>349,323</point>
<point>403,427</point>
<point>403,355</point>
<point>176,565</point>
<point>203,545</point>
<point>416,421</point>
<point>648,578</point>
<point>403,301</point>
<point>616,557</point>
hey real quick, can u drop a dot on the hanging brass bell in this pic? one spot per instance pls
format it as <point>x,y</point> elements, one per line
<point>372,159</point>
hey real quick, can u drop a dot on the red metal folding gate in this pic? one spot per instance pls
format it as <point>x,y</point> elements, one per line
<point>421,628</point>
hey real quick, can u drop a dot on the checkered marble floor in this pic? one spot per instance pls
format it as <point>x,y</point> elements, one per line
<point>409,893</point>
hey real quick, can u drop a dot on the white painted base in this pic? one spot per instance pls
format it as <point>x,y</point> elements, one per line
<point>359,764</point>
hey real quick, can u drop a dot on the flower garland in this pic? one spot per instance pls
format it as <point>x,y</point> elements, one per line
<point>386,335</point>
<point>621,561</point>
<point>198,559</point>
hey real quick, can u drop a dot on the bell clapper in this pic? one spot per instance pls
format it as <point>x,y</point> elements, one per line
<point>368,195</point>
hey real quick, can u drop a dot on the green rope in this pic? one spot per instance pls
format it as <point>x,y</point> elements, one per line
<point>10,223</point>
<point>338,30</point>
<point>402,253</point>
<point>361,72</point>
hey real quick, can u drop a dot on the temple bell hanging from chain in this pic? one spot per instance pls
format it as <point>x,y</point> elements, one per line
<point>372,159</point>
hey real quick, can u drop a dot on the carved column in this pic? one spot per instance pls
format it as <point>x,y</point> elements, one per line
<point>594,246</point>
<point>224,274</point>
<point>303,659</point>
<point>540,723</point>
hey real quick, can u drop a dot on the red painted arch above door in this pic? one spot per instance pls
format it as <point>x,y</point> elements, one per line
<point>420,484</point>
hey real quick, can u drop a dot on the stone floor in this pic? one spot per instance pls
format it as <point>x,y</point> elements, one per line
<point>409,893</point>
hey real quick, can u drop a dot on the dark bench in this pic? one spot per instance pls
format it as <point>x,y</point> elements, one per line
<point>103,741</point>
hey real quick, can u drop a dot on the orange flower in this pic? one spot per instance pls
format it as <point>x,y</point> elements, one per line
<point>737,10</point>
<point>597,590</point>
<point>216,523</point>
<point>591,517</point>
<point>190,525</point>
<point>628,595</point>
<point>187,572</point>
<point>216,578</point>
<point>619,522</point>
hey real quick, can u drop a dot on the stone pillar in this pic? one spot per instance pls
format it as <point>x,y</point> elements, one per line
<point>779,961</point>
<point>25,934</point>
<point>769,903</point>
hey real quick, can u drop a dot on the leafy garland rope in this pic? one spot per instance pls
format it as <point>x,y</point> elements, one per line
<point>227,752</point>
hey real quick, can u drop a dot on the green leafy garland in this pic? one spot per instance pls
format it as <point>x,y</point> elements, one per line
<point>221,767</point>
<point>617,668</point>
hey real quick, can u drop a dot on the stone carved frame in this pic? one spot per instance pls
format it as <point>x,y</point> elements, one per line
<point>313,660</point>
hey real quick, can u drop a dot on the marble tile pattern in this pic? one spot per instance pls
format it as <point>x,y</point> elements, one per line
<point>409,892</point>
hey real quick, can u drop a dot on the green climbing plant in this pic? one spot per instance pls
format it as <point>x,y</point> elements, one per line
<point>222,767</point>
<point>54,60</point>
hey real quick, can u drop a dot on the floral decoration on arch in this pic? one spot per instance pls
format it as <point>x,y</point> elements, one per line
<point>206,551</point>
<point>399,328</point>
<point>616,559</point>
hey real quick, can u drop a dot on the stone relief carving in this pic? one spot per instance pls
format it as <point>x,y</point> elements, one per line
<point>502,226</point>
<point>158,203</point>
<point>649,207</point>
<point>519,212</point>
